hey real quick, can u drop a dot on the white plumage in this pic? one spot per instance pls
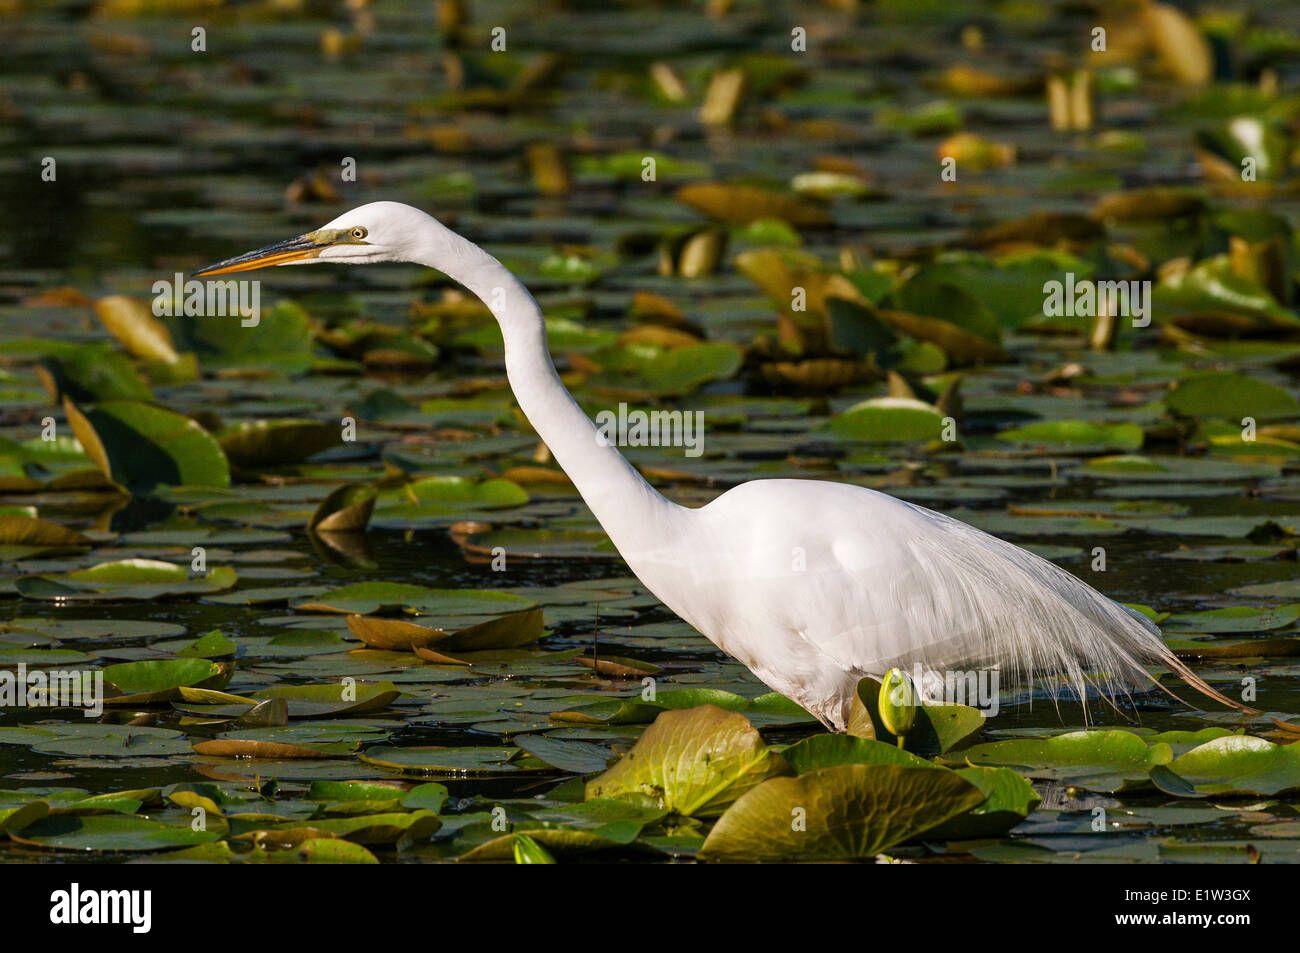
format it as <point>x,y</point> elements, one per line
<point>812,585</point>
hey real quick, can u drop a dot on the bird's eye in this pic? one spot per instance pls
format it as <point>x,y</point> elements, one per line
<point>358,233</point>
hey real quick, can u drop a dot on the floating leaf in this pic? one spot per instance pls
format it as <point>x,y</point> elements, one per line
<point>378,828</point>
<point>685,369</point>
<point>824,751</point>
<point>849,812</point>
<point>1182,49</point>
<point>346,509</point>
<point>16,818</point>
<point>139,446</point>
<point>209,646</point>
<point>281,338</point>
<point>1097,760</point>
<point>1235,648</point>
<point>89,373</point>
<point>696,761</point>
<point>963,347</point>
<point>1235,619</point>
<point>254,444</point>
<point>1235,764</point>
<point>125,579</point>
<point>133,324</point>
<point>618,667</point>
<point>591,825</point>
<point>1008,800</point>
<point>1230,396</point>
<point>508,631</point>
<point>162,674</point>
<point>332,699</point>
<point>743,204</point>
<point>332,850</point>
<point>443,762</point>
<point>393,634</point>
<point>366,597</point>
<point>22,537</point>
<point>270,750</point>
<point>460,491</point>
<point>113,832</point>
<point>889,420</point>
<point>1071,433</point>
<point>578,757</point>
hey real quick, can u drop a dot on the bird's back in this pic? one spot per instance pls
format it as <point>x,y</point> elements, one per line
<point>814,585</point>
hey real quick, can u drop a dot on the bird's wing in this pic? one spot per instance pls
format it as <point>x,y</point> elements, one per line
<point>944,595</point>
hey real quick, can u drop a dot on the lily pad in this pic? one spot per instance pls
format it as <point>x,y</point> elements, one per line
<point>139,446</point>
<point>1071,433</point>
<point>846,812</point>
<point>1231,396</point>
<point>433,761</point>
<point>364,598</point>
<point>346,509</point>
<point>1234,764</point>
<point>1098,760</point>
<point>253,444</point>
<point>696,761</point>
<point>889,420</point>
<point>129,579</point>
<point>22,537</point>
<point>112,832</point>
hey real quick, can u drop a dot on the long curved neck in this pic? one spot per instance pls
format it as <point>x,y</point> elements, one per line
<point>635,515</point>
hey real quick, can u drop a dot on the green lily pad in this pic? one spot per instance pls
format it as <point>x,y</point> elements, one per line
<point>577,757</point>
<point>1233,764</point>
<point>254,444</point>
<point>686,369</point>
<point>281,339</point>
<point>139,446</point>
<point>16,818</point>
<point>464,492</point>
<point>155,676</point>
<point>612,712</point>
<point>1231,396</point>
<point>591,825</point>
<point>22,537</point>
<point>364,598</point>
<point>91,372</point>
<point>115,741</point>
<point>332,699</point>
<point>327,850</point>
<point>1077,433</point>
<point>126,579</point>
<point>889,420</point>
<point>845,812</point>
<point>696,761</point>
<point>1235,619</point>
<point>475,762</point>
<point>113,832</point>
<point>1097,760</point>
<point>824,751</point>
<point>379,828</point>
<point>1008,800</point>
<point>1235,648</point>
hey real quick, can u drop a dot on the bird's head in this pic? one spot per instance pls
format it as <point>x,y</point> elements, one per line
<point>380,231</point>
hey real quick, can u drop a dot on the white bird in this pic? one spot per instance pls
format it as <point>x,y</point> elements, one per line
<point>811,584</point>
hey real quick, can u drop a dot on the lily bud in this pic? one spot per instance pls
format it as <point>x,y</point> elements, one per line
<point>897,703</point>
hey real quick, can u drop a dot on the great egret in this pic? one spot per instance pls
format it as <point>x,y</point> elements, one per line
<point>810,584</point>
